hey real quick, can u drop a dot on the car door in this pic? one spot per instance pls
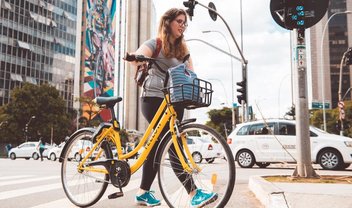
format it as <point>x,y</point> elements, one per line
<point>286,134</point>
<point>269,150</point>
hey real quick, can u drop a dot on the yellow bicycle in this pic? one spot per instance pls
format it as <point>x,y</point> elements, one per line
<point>89,165</point>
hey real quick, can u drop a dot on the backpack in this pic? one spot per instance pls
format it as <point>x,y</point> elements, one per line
<point>142,70</point>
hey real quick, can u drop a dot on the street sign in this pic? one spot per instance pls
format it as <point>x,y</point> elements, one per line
<point>298,14</point>
<point>319,105</point>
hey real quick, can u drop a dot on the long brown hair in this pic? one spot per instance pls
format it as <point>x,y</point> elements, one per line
<point>179,48</point>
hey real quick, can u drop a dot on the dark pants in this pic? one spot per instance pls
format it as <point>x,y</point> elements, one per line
<point>150,106</point>
<point>41,150</point>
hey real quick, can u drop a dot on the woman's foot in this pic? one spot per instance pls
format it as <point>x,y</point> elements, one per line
<point>147,199</point>
<point>202,198</point>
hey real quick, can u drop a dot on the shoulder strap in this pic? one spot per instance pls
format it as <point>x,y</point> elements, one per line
<point>156,53</point>
<point>158,48</point>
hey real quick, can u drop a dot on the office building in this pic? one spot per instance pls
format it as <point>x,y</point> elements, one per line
<point>326,53</point>
<point>37,45</point>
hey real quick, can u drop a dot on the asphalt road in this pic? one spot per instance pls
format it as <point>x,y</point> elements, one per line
<point>36,184</point>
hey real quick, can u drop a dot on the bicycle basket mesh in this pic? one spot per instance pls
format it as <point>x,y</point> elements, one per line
<point>187,90</point>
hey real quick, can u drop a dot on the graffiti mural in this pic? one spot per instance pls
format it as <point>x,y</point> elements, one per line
<point>99,53</point>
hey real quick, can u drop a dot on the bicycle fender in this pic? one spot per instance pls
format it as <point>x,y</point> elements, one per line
<point>64,149</point>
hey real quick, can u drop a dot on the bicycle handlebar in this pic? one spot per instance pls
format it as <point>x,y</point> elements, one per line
<point>138,58</point>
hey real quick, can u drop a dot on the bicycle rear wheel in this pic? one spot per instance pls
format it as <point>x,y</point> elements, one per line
<point>83,188</point>
<point>217,171</point>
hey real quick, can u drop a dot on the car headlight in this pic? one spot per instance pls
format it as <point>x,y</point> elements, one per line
<point>348,143</point>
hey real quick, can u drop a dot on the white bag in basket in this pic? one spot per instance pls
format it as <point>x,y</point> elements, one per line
<point>183,83</point>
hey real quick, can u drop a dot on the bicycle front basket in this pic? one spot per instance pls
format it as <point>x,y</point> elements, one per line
<point>187,90</point>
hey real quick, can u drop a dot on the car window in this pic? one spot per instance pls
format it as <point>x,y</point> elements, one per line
<point>190,141</point>
<point>287,129</point>
<point>243,130</point>
<point>262,129</point>
<point>312,134</point>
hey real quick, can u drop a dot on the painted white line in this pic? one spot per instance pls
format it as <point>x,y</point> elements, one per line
<point>65,202</point>
<point>5,183</point>
<point>2,178</point>
<point>26,191</point>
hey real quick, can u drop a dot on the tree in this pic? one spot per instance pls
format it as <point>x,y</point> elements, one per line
<point>45,103</point>
<point>219,119</point>
<point>291,113</point>
<point>91,111</point>
<point>332,119</point>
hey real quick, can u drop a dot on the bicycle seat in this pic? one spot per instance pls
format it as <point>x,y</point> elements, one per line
<point>108,101</point>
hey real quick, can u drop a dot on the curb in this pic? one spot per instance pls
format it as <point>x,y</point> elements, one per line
<point>268,194</point>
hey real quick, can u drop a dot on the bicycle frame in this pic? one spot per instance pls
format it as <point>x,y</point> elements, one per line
<point>165,113</point>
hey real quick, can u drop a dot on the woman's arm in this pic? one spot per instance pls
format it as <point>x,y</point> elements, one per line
<point>142,50</point>
<point>190,64</point>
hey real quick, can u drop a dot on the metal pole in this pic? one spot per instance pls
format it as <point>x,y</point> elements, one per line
<point>304,167</point>
<point>322,64</point>
<point>243,60</point>
<point>340,94</point>
<point>232,83</point>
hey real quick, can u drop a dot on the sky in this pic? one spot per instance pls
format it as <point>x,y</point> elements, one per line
<point>266,46</point>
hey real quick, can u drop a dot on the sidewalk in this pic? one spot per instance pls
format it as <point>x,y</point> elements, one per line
<point>300,195</point>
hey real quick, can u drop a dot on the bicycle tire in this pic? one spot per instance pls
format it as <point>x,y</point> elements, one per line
<point>218,176</point>
<point>83,188</point>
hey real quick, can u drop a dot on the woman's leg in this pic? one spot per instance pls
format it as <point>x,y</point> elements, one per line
<point>150,106</point>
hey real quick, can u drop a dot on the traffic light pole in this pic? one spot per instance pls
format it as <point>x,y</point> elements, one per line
<point>346,58</point>
<point>190,4</point>
<point>304,167</point>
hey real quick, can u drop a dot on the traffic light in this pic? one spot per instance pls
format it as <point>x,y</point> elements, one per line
<point>298,14</point>
<point>242,90</point>
<point>190,5</point>
<point>348,57</point>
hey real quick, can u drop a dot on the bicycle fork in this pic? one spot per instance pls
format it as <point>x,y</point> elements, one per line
<point>194,168</point>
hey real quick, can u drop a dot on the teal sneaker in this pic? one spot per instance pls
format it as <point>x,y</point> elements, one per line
<point>147,199</point>
<point>202,198</point>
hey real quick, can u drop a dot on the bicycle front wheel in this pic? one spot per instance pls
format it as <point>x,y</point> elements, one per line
<point>216,168</point>
<point>83,187</point>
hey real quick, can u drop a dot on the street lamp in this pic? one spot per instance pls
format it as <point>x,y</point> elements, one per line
<point>321,64</point>
<point>223,87</point>
<point>232,83</point>
<point>26,128</point>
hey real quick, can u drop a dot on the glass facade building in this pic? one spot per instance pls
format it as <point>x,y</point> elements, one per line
<point>37,45</point>
<point>327,51</point>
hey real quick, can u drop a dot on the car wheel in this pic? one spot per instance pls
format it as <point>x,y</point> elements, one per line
<point>35,156</point>
<point>52,156</point>
<point>210,160</point>
<point>27,158</point>
<point>262,164</point>
<point>13,156</point>
<point>330,159</point>
<point>78,157</point>
<point>245,159</point>
<point>197,157</point>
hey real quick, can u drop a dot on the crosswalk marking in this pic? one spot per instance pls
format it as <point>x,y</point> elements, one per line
<point>133,185</point>
<point>65,202</point>
<point>26,191</point>
<point>3,178</point>
<point>5,183</point>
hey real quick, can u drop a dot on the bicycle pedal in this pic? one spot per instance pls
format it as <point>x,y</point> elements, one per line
<point>115,195</point>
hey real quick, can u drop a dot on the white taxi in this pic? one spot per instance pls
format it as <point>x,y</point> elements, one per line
<point>274,141</point>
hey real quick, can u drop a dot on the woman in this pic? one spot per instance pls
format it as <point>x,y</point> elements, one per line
<point>173,51</point>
